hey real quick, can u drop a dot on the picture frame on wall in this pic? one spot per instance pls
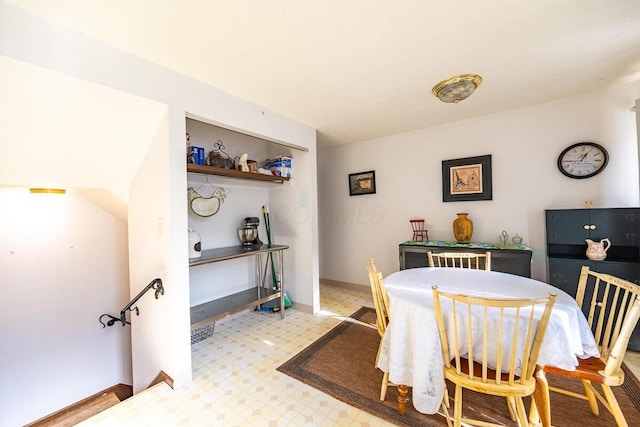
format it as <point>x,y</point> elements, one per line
<point>467,179</point>
<point>362,183</point>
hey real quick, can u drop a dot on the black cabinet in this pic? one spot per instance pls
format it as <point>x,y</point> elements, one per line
<point>566,232</point>
<point>564,272</point>
<point>515,259</point>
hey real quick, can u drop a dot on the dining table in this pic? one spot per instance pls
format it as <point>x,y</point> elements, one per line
<point>410,349</point>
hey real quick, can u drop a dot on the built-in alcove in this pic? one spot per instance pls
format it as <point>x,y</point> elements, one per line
<point>245,196</point>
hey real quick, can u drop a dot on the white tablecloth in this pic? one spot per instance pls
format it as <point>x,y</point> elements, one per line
<point>411,350</point>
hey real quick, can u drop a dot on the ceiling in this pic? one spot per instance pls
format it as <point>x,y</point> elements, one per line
<point>361,69</point>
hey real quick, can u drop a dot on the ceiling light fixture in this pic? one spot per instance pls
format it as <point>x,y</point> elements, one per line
<point>457,88</point>
<point>47,191</point>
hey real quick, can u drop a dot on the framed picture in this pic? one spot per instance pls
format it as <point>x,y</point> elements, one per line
<point>362,183</point>
<point>467,179</point>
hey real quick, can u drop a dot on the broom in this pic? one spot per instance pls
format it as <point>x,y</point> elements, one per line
<point>267,224</point>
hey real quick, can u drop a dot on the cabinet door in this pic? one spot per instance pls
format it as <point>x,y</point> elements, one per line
<point>621,226</point>
<point>625,270</point>
<point>413,257</point>
<point>512,262</point>
<point>567,226</point>
<point>564,273</point>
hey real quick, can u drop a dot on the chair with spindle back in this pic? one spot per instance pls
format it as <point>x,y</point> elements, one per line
<point>381,304</point>
<point>612,308</point>
<point>507,334</point>
<point>479,261</point>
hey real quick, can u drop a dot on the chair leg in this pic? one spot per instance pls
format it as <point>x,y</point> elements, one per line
<point>383,387</point>
<point>457,407</point>
<point>445,410</point>
<point>540,407</point>
<point>534,416</point>
<point>614,407</point>
<point>521,411</point>
<point>591,397</point>
<point>511,404</point>
<point>446,396</point>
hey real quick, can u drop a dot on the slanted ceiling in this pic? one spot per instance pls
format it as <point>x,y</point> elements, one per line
<point>357,70</point>
<point>70,133</point>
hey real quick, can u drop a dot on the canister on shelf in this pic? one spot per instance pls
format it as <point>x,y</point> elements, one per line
<point>194,244</point>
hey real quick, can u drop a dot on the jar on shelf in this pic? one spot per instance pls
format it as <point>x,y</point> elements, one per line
<point>194,244</point>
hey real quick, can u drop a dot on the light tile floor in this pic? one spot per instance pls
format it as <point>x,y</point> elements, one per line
<point>235,382</point>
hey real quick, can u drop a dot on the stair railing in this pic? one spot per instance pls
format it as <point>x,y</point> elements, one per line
<point>155,284</point>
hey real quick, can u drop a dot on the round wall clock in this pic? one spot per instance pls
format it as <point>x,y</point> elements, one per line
<point>583,160</point>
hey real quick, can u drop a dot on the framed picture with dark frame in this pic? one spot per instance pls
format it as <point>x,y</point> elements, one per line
<point>362,183</point>
<point>467,179</point>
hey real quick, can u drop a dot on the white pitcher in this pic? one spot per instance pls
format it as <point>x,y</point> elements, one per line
<point>597,251</point>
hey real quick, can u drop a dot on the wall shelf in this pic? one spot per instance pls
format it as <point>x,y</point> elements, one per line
<point>212,170</point>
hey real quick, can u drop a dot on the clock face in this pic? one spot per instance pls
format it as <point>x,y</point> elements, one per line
<point>583,160</point>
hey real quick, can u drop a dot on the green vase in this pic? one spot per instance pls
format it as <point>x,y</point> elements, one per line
<point>462,228</point>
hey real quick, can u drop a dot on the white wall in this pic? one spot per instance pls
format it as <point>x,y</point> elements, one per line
<point>294,222</point>
<point>63,263</point>
<point>56,50</point>
<point>524,145</point>
<point>158,334</point>
<point>637,111</point>
<point>60,131</point>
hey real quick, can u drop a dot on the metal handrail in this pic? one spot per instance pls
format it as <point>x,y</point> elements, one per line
<point>155,284</point>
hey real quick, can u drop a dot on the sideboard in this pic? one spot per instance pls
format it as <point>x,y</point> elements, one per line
<point>513,259</point>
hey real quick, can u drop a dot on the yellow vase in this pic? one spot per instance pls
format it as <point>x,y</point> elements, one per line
<point>462,228</point>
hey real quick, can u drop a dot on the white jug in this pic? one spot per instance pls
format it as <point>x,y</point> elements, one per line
<point>597,251</point>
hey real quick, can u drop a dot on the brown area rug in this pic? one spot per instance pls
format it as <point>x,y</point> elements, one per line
<point>342,364</point>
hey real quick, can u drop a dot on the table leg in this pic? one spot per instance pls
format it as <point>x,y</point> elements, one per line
<point>402,398</point>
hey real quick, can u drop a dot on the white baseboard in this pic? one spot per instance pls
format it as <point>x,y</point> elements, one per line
<point>348,285</point>
<point>305,308</point>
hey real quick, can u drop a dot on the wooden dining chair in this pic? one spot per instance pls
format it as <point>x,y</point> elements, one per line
<point>381,304</point>
<point>478,261</point>
<point>507,333</point>
<point>612,308</point>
